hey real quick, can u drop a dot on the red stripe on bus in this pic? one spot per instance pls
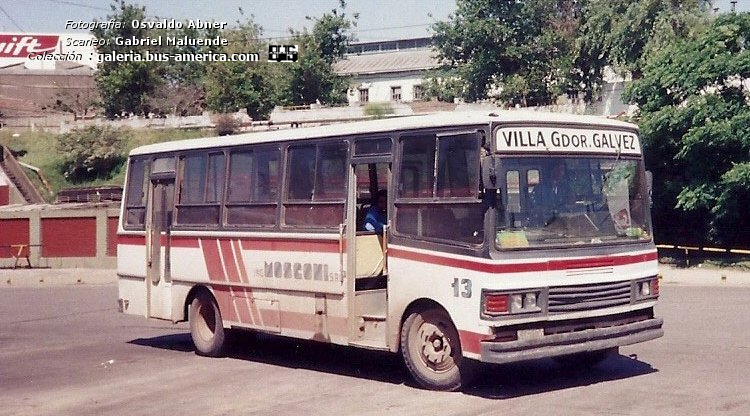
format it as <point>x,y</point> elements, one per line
<point>240,303</point>
<point>252,307</point>
<point>185,242</point>
<point>471,341</point>
<point>230,265</point>
<point>131,240</point>
<point>521,267</point>
<point>224,301</point>
<point>212,259</point>
<point>240,262</point>
<point>275,244</point>
<point>318,246</point>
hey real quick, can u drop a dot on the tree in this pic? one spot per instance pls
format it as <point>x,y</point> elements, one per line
<point>125,85</point>
<point>529,52</point>
<point>517,51</point>
<point>182,89</point>
<point>694,101</point>
<point>622,33</point>
<point>235,85</point>
<point>77,101</point>
<point>93,152</point>
<point>312,78</point>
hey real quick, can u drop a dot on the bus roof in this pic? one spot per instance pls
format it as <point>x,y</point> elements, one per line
<point>447,119</point>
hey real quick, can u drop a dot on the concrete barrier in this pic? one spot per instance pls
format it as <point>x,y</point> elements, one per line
<point>59,235</point>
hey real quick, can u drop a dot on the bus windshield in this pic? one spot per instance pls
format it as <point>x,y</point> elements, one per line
<point>571,201</point>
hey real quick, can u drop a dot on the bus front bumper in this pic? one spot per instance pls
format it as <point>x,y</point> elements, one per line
<point>535,344</point>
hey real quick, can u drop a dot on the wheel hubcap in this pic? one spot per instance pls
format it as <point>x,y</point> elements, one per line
<point>435,350</point>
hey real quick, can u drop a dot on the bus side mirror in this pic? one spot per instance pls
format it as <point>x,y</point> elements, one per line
<point>490,167</point>
<point>650,186</point>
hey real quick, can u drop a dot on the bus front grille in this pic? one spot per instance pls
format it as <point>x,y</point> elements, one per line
<point>578,298</point>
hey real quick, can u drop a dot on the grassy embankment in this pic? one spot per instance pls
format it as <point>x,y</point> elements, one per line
<point>41,151</point>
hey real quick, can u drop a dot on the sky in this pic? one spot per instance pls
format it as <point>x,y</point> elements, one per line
<point>378,20</point>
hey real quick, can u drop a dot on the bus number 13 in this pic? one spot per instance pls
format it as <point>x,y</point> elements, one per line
<point>462,287</point>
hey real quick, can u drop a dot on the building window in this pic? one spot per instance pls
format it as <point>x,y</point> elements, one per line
<point>418,93</point>
<point>364,95</point>
<point>395,93</point>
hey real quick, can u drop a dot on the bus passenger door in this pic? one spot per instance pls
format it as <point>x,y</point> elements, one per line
<point>368,262</point>
<point>159,279</point>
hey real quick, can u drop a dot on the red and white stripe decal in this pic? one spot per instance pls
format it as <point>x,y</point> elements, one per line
<point>471,341</point>
<point>520,267</point>
<point>225,270</point>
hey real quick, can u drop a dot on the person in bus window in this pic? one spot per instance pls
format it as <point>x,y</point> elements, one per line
<point>376,216</point>
<point>555,191</point>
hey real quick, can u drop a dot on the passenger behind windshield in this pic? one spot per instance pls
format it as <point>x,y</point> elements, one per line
<point>572,201</point>
<point>554,190</point>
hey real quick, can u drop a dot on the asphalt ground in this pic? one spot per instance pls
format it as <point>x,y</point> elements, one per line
<point>671,275</point>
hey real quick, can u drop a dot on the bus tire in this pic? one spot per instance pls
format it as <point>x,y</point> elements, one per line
<point>431,350</point>
<point>206,327</point>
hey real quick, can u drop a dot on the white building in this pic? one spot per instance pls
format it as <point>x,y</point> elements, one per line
<point>388,71</point>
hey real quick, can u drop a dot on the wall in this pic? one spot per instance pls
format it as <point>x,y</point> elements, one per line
<point>61,236</point>
<point>379,86</point>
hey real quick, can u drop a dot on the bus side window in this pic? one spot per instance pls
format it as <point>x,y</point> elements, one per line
<point>135,200</point>
<point>316,185</point>
<point>252,188</point>
<point>201,189</point>
<point>439,201</point>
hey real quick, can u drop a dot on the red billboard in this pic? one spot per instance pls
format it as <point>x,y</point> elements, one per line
<point>23,45</point>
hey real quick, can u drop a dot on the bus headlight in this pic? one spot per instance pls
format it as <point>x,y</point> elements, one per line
<point>500,303</point>
<point>647,288</point>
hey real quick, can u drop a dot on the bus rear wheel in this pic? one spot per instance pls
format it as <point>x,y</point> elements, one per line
<point>432,350</point>
<point>206,327</point>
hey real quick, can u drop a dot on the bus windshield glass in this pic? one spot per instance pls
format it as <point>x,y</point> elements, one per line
<point>571,201</point>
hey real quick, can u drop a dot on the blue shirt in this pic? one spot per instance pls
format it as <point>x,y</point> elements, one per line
<point>374,220</point>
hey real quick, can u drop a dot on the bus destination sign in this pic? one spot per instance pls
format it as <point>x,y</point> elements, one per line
<point>551,139</point>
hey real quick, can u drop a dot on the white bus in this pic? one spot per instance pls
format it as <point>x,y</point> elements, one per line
<point>510,236</point>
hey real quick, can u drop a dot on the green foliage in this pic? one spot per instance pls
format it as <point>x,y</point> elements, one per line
<point>38,143</point>
<point>695,122</point>
<point>516,51</point>
<point>125,86</point>
<point>188,87</point>
<point>443,85</point>
<point>235,86</point>
<point>225,124</point>
<point>94,152</point>
<point>529,52</point>
<point>378,110</point>
<point>623,33</point>
<point>312,79</point>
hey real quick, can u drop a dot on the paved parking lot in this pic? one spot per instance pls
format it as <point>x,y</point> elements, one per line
<point>64,349</point>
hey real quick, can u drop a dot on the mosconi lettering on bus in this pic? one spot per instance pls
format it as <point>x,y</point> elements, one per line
<point>294,270</point>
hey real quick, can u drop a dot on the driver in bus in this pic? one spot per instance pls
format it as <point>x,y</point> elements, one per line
<point>376,216</point>
<point>553,194</point>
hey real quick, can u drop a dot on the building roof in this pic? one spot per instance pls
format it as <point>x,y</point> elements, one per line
<point>457,119</point>
<point>387,62</point>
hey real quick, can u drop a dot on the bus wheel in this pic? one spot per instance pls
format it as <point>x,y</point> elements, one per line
<point>206,327</point>
<point>432,350</point>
